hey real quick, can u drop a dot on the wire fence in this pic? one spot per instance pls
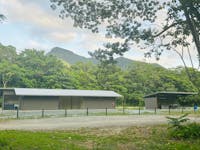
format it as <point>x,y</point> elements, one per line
<point>31,114</point>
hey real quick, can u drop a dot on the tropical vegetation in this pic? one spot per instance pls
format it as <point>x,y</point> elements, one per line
<point>33,68</point>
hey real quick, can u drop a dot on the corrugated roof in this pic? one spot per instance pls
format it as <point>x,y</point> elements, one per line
<point>64,92</point>
<point>170,93</point>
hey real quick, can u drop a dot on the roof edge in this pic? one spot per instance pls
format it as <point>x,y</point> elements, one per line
<point>170,92</point>
<point>115,94</point>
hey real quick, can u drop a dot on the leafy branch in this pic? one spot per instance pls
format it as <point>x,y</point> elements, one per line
<point>177,122</point>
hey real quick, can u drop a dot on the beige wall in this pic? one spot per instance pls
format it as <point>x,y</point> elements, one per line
<point>151,103</point>
<point>65,102</point>
<point>70,102</point>
<point>76,102</point>
<point>86,102</point>
<point>11,99</point>
<point>38,103</point>
<point>98,103</point>
<point>48,103</point>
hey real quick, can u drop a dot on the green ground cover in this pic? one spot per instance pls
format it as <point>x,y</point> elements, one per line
<point>153,137</point>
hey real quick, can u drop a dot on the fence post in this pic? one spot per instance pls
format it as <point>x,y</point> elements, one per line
<point>87,111</point>
<point>106,111</point>
<point>169,110</point>
<point>65,112</point>
<point>123,105</point>
<point>17,112</point>
<point>155,111</point>
<point>139,110</point>
<point>42,113</point>
<point>182,110</point>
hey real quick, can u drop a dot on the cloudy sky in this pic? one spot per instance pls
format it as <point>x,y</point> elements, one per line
<point>33,24</point>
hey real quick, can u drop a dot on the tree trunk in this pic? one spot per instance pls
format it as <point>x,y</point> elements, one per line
<point>191,26</point>
<point>4,82</point>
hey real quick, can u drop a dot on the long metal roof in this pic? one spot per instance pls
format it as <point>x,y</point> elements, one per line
<point>64,92</point>
<point>170,93</point>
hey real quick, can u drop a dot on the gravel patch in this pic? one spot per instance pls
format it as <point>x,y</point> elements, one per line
<point>85,122</point>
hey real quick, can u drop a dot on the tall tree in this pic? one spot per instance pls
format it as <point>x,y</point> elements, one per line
<point>83,76</point>
<point>153,25</point>
<point>44,71</point>
<point>136,21</point>
<point>7,53</point>
<point>10,74</point>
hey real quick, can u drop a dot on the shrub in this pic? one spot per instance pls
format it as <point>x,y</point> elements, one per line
<point>191,130</point>
<point>177,122</point>
<point>179,130</point>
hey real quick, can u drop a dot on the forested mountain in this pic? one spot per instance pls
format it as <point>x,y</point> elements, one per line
<point>73,58</point>
<point>69,56</point>
<point>34,69</point>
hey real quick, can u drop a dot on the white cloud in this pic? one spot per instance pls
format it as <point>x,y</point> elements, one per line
<point>42,23</point>
<point>31,44</point>
<point>58,36</point>
<point>45,29</point>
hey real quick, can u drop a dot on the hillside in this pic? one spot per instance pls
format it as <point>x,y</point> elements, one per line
<point>73,58</point>
<point>67,55</point>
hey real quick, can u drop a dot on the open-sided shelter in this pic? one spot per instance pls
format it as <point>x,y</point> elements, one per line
<point>35,99</point>
<point>164,99</point>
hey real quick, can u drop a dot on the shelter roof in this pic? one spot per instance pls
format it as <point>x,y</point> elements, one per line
<point>170,93</point>
<point>64,92</point>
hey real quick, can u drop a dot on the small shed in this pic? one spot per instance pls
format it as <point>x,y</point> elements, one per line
<point>164,99</point>
<point>35,99</point>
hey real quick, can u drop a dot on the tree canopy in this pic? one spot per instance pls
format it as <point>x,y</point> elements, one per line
<point>156,25</point>
<point>34,69</point>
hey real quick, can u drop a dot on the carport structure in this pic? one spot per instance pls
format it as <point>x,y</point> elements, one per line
<point>164,99</point>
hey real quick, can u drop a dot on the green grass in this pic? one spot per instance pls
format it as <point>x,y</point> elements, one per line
<point>148,138</point>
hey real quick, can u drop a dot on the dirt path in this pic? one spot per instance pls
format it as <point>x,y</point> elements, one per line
<point>84,122</point>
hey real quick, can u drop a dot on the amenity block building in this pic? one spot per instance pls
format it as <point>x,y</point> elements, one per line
<point>36,99</point>
<point>164,99</point>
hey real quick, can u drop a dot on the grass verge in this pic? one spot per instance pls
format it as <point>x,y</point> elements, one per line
<point>139,138</point>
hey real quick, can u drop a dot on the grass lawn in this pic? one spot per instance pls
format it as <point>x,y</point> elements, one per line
<point>154,137</point>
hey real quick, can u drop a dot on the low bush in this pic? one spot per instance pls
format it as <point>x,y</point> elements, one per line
<point>180,130</point>
<point>191,130</point>
<point>177,122</point>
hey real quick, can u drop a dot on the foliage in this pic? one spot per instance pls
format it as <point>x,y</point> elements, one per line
<point>177,123</point>
<point>152,25</point>
<point>10,74</point>
<point>8,53</point>
<point>189,100</point>
<point>179,130</point>
<point>44,71</point>
<point>83,75</point>
<point>135,22</point>
<point>35,69</point>
<point>191,130</point>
